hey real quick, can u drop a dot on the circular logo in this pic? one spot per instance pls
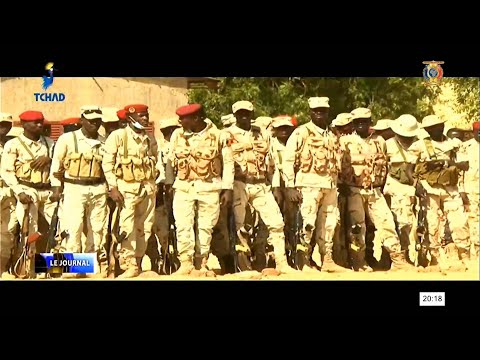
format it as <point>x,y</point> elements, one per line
<point>432,73</point>
<point>131,110</point>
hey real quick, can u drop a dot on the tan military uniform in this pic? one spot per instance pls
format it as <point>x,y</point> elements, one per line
<point>250,149</point>
<point>402,195</point>
<point>203,165</point>
<point>364,169</point>
<point>85,189</point>
<point>468,152</point>
<point>8,222</point>
<point>131,163</point>
<point>316,154</point>
<point>444,201</point>
<point>17,174</point>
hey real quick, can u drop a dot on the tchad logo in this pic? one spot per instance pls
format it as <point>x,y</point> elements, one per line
<point>47,82</point>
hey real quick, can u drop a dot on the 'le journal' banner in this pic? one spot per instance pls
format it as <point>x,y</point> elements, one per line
<point>73,263</point>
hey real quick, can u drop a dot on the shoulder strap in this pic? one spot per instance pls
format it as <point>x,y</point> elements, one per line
<point>430,149</point>
<point>26,147</point>
<point>401,150</point>
<point>75,141</point>
<point>125,143</point>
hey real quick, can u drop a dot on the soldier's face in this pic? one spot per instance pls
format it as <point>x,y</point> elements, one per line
<point>283,132</point>
<point>33,127</point>
<point>362,126</point>
<point>188,122</point>
<point>143,118</point>
<point>47,130</point>
<point>475,134</point>
<point>71,127</point>
<point>435,131</point>
<point>244,118</point>
<point>346,129</point>
<point>456,134</point>
<point>386,134</point>
<point>319,117</point>
<point>91,126</point>
<point>168,131</point>
<point>5,127</point>
<point>122,124</point>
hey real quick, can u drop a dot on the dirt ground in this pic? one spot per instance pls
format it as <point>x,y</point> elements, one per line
<point>470,274</point>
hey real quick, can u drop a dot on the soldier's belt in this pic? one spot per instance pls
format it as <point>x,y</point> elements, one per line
<point>38,186</point>
<point>363,187</point>
<point>85,181</point>
<point>250,180</point>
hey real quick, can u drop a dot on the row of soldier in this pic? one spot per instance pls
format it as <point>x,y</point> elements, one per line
<point>336,181</point>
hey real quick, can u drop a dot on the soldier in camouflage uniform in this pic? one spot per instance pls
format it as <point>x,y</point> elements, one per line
<point>8,218</point>
<point>312,161</point>
<point>364,171</point>
<point>438,171</point>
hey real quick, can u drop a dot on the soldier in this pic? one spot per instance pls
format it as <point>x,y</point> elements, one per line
<point>122,115</point>
<point>383,128</point>
<point>343,126</point>
<point>25,168</point>
<point>202,160</point>
<point>163,205</point>
<point>282,128</point>
<point>399,185</point>
<point>80,154</point>
<point>438,172</point>
<point>364,170</point>
<point>71,124</point>
<point>228,120</point>
<point>250,147</point>
<point>455,133</point>
<point>314,152</point>
<point>130,165</point>
<point>8,218</point>
<point>469,152</point>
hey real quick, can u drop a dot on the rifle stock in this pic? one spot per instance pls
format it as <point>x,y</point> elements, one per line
<point>171,262</point>
<point>52,231</point>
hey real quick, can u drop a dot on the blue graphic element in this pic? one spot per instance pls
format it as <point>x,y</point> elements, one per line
<point>48,80</point>
<point>78,263</point>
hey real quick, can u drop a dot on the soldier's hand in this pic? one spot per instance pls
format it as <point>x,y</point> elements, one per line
<point>24,198</point>
<point>466,201</point>
<point>116,196</point>
<point>463,165</point>
<point>59,175</point>
<point>294,195</point>
<point>56,194</point>
<point>226,198</point>
<point>40,163</point>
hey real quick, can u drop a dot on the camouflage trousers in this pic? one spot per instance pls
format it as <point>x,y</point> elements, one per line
<point>474,224</point>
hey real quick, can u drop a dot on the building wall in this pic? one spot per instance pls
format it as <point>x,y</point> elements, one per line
<point>162,95</point>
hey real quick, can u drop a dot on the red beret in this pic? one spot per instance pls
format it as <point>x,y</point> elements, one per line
<point>31,116</point>
<point>188,109</point>
<point>136,108</point>
<point>294,121</point>
<point>122,114</point>
<point>70,121</point>
<point>476,125</point>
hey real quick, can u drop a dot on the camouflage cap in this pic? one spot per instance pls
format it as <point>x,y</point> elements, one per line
<point>5,117</point>
<point>169,122</point>
<point>431,120</point>
<point>342,119</point>
<point>318,102</point>
<point>242,105</point>
<point>361,113</point>
<point>382,124</point>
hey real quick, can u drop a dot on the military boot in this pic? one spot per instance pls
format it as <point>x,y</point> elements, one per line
<point>283,267</point>
<point>186,267</point>
<point>133,270</point>
<point>204,270</point>
<point>358,261</point>
<point>462,262</point>
<point>328,265</point>
<point>399,262</point>
<point>438,262</point>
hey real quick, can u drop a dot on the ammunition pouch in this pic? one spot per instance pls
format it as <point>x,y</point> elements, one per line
<point>27,174</point>
<point>399,172</point>
<point>444,177</point>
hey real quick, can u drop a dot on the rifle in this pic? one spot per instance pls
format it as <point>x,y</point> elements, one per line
<point>299,255</point>
<point>420,244</point>
<point>52,231</point>
<point>22,267</point>
<point>115,241</point>
<point>238,245</point>
<point>171,262</point>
